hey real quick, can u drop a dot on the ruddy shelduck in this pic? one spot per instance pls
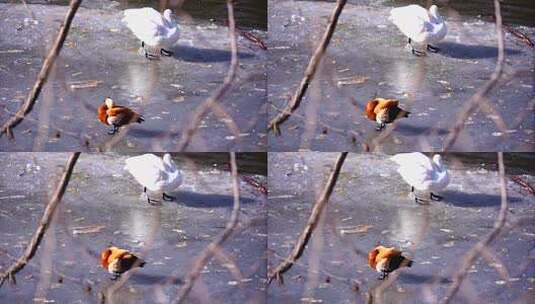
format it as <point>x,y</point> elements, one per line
<point>118,261</point>
<point>384,111</point>
<point>116,116</point>
<point>387,259</point>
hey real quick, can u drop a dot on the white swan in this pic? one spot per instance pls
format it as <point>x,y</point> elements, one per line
<point>422,173</point>
<point>420,26</point>
<point>154,173</point>
<point>154,30</point>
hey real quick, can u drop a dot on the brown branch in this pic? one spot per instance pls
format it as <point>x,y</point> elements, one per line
<point>203,109</point>
<point>313,220</point>
<point>28,104</point>
<point>310,70</point>
<point>31,249</point>
<point>473,254</point>
<point>475,101</point>
<point>211,249</point>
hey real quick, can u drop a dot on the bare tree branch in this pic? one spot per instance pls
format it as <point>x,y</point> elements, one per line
<point>313,64</point>
<point>31,249</point>
<point>203,109</point>
<point>303,239</point>
<point>28,104</point>
<point>473,254</point>
<point>211,249</point>
<point>475,101</point>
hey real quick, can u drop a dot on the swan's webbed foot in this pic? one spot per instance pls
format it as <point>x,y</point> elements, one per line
<point>149,200</point>
<point>167,197</point>
<point>435,197</point>
<point>166,52</point>
<point>433,49</point>
<point>416,52</point>
<point>417,200</point>
<point>149,56</point>
<point>146,53</point>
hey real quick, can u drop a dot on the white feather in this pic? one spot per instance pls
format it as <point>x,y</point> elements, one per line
<point>419,24</point>
<point>421,172</point>
<point>157,174</point>
<point>151,27</point>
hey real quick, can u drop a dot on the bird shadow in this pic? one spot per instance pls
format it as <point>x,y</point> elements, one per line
<point>465,51</point>
<point>411,278</point>
<point>147,279</point>
<point>414,130</point>
<point>144,133</point>
<point>192,54</point>
<point>463,199</point>
<point>199,200</point>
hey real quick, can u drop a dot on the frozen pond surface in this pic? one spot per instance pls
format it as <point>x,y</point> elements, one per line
<point>370,205</point>
<point>101,58</point>
<point>367,57</point>
<point>103,206</point>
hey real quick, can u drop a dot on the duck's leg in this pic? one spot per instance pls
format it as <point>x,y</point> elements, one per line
<point>166,52</point>
<point>114,130</point>
<point>383,276</point>
<point>167,197</point>
<point>380,126</point>
<point>433,49</point>
<point>150,201</point>
<point>435,197</point>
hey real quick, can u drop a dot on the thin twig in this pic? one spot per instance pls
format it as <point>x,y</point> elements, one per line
<point>310,70</point>
<point>473,254</point>
<point>203,109</point>
<point>475,101</point>
<point>28,104</point>
<point>313,220</point>
<point>31,249</point>
<point>211,249</point>
<point>345,132</point>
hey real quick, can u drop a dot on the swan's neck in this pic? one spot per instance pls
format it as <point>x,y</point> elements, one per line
<point>169,21</point>
<point>434,17</point>
<point>169,167</point>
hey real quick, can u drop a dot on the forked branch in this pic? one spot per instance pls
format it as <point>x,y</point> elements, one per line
<point>31,249</point>
<point>310,71</point>
<point>28,104</point>
<point>313,220</point>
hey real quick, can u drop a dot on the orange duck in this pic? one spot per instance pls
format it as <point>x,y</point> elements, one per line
<point>114,115</point>
<point>385,260</point>
<point>118,261</point>
<point>384,111</point>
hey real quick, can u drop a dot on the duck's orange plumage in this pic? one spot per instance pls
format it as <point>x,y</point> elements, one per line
<point>118,261</point>
<point>384,111</point>
<point>114,115</point>
<point>387,259</point>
